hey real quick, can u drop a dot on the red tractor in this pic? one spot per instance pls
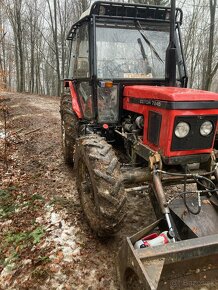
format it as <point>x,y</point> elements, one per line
<point>128,118</point>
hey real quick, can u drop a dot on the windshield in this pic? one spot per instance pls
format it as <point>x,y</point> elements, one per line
<point>131,52</point>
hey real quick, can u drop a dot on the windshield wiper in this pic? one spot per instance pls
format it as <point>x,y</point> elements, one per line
<point>141,31</point>
<point>142,49</point>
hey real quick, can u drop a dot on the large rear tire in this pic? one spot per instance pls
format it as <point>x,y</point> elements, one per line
<point>99,183</point>
<point>69,129</point>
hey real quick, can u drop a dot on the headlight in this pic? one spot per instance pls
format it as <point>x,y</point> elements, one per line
<point>206,128</point>
<point>182,129</point>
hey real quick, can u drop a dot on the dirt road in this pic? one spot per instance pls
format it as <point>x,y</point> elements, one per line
<point>44,239</point>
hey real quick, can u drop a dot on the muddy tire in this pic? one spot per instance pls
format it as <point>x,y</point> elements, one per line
<point>99,183</point>
<point>69,129</point>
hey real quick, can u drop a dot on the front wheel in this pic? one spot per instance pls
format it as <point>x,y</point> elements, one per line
<point>99,183</point>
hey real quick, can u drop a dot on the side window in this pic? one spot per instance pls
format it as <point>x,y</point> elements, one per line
<point>72,57</point>
<point>81,63</point>
<point>79,69</point>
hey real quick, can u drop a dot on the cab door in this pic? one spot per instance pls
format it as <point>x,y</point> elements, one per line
<point>79,69</point>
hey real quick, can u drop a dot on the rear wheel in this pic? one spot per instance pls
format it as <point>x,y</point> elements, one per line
<point>69,129</point>
<point>99,183</point>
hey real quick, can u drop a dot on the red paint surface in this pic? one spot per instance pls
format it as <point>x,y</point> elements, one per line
<point>75,104</point>
<point>168,116</point>
<point>172,94</point>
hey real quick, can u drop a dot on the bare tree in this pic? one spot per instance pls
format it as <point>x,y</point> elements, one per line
<point>14,11</point>
<point>211,68</point>
<point>3,73</point>
<point>194,34</point>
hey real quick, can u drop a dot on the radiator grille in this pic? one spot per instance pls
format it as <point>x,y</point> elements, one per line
<point>154,125</point>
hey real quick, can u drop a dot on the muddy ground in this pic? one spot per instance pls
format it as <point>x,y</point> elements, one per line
<point>45,242</point>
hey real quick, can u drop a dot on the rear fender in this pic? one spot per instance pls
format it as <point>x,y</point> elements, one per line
<point>75,100</point>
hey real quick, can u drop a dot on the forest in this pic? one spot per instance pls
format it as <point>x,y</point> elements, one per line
<point>34,50</point>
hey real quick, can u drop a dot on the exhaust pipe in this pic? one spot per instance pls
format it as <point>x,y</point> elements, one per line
<point>171,50</point>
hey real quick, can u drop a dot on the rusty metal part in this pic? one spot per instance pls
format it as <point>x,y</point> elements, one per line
<point>142,175</point>
<point>161,197</point>
<point>213,156</point>
<point>203,224</point>
<point>155,159</point>
<point>171,266</point>
<point>143,151</point>
<point>216,174</point>
<point>210,164</point>
<point>159,192</point>
<point>137,147</point>
<point>137,175</point>
<point>138,188</point>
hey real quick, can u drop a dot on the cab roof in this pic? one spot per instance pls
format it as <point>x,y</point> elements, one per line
<point>126,11</point>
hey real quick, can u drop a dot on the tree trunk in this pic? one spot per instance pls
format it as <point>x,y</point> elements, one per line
<point>209,71</point>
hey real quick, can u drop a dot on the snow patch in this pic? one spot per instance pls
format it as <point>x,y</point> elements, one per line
<point>62,233</point>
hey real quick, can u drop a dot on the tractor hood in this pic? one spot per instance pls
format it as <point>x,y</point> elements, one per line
<point>163,108</point>
<point>144,94</point>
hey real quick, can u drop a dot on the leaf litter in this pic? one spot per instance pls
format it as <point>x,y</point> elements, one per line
<point>45,242</point>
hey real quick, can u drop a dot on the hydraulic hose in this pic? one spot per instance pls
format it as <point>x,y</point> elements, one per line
<point>207,188</point>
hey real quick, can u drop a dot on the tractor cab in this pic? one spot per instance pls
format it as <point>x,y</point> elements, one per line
<point>118,44</point>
